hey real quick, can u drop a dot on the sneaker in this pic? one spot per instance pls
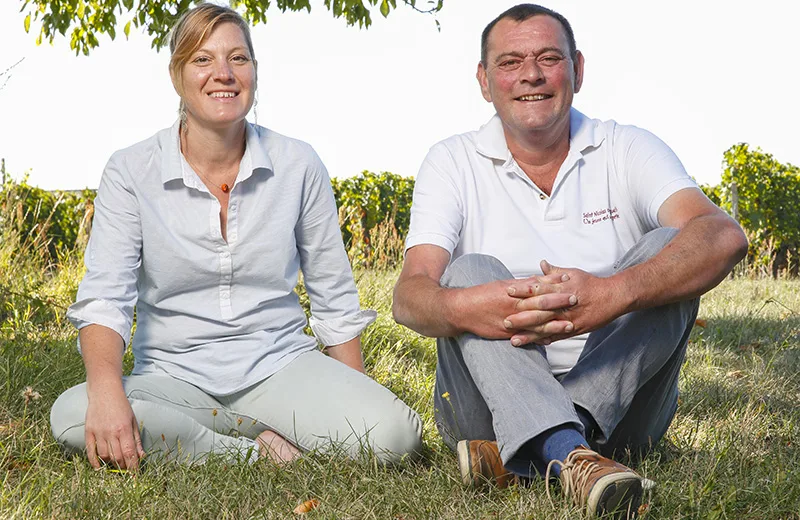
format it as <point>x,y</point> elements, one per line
<point>600,485</point>
<point>480,464</point>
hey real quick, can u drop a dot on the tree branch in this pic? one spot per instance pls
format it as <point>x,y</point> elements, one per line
<point>7,73</point>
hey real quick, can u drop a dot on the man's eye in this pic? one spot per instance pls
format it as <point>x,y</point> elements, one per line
<point>550,60</point>
<point>511,64</point>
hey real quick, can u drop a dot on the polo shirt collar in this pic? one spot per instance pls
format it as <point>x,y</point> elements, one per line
<point>584,133</point>
<point>255,155</point>
<point>491,140</point>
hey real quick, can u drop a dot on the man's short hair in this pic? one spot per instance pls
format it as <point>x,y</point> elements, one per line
<point>520,13</point>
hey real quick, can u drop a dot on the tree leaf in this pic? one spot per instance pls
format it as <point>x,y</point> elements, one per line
<point>127,29</point>
<point>156,17</point>
<point>28,23</point>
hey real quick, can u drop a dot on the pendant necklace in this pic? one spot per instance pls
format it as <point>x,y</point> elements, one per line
<point>224,186</point>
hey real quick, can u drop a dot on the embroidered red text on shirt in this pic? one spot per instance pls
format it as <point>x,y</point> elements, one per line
<point>600,215</point>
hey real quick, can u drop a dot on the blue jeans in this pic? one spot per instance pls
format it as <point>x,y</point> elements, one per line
<point>626,377</point>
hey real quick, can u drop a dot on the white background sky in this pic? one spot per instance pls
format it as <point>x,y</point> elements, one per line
<point>702,75</point>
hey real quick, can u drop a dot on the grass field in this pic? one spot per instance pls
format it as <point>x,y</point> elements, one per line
<point>732,451</point>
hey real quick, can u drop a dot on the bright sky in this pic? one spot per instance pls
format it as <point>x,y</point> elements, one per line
<point>700,75</point>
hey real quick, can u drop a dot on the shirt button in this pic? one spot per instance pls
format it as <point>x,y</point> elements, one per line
<point>225,254</point>
<point>225,295</point>
<point>542,196</point>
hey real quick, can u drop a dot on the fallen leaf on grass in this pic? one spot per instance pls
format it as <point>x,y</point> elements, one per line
<point>307,506</point>
<point>750,346</point>
<point>19,465</point>
<point>735,374</point>
<point>700,322</point>
<point>643,509</point>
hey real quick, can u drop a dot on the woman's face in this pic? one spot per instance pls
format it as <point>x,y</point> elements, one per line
<point>219,80</point>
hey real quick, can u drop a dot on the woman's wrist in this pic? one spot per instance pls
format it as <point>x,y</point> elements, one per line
<point>348,353</point>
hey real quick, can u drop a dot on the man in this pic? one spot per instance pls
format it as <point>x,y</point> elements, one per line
<point>583,348</point>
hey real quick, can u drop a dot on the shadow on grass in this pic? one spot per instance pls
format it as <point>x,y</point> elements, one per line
<point>775,340</point>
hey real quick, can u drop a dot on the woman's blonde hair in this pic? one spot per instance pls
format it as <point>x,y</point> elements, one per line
<point>192,30</point>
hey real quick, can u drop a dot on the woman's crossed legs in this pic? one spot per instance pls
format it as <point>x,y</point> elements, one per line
<point>314,403</point>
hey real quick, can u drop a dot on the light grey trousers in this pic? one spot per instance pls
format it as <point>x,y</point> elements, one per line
<point>626,377</point>
<point>315,402</point>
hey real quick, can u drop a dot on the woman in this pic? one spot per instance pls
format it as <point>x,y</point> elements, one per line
<point>203,227</point>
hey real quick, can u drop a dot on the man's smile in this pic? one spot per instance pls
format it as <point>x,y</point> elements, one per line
<point>534,97</point>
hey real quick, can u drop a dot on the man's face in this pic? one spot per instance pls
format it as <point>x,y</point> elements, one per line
<point>529,75</point>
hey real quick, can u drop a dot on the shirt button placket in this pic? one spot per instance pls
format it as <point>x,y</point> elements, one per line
<point>233,220</point>
<point>225,275</point>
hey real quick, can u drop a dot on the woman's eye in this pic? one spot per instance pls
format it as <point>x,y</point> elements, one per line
<point>201,60</point>
<point>240,59</point>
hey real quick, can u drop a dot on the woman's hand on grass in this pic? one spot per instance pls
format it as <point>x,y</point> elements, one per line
<point>112,434</point>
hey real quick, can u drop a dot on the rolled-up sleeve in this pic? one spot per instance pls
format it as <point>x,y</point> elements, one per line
<point>336,316</point>
<point>107,294</point>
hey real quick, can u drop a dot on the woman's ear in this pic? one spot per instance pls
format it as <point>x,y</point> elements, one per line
<point>175,85</point>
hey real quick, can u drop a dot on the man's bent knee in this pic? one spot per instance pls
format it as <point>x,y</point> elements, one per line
<point>646,248</point>
<point>474,269</point>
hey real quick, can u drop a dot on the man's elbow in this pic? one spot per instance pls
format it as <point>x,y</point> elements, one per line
<point>397,313</point>
<point>737,243</point>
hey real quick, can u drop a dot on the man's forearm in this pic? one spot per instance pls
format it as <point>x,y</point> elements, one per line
<point>699,257</point>
<point>424,306</point>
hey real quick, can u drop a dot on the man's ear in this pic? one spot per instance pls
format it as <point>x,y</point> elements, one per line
<point>483,81</point>
<point>578,71</point>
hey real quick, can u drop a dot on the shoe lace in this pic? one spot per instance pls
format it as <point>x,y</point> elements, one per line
<point>575,476</point>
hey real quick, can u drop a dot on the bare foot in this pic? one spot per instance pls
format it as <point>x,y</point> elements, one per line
<point>276,447</point>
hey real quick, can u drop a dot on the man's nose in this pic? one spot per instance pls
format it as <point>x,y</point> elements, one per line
<point>530,70</point>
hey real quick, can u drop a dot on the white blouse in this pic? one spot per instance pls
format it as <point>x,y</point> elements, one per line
<point>219,315</point>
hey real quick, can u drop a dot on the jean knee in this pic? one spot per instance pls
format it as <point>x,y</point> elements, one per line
<point>474,269</point>
<point>660,237</point>
<point>646,248</point>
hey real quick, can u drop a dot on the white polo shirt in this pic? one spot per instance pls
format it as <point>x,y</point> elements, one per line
<point>472,197</point>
